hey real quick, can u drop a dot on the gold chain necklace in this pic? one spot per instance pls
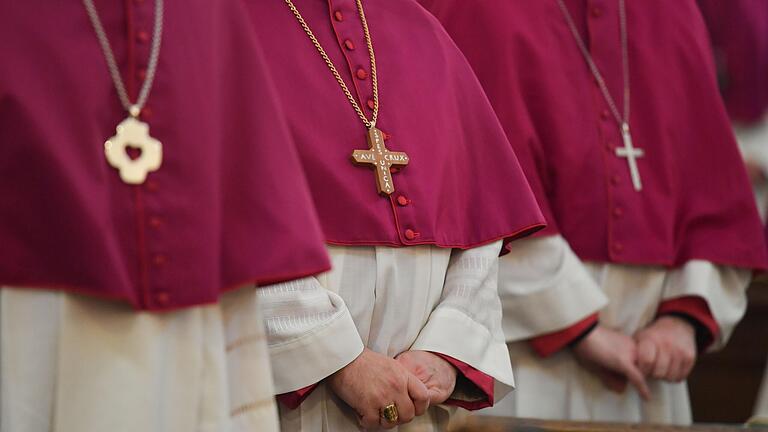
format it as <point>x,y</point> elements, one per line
<point>377,154</point>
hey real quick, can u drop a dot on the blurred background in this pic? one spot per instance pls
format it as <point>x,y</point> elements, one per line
<point>725,387</point>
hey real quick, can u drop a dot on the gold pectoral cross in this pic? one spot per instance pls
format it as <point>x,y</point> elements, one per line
<point>381,159</point>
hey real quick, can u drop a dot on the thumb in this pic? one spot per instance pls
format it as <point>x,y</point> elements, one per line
<point>646,356</point>
<point>419,394</point>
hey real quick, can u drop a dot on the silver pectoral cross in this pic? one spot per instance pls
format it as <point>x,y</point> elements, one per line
<point>632,154</point>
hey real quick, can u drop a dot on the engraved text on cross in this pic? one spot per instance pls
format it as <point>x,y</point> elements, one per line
<point>381,159</point>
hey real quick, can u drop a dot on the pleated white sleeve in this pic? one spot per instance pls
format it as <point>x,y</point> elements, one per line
<point>310,333</point>
<point>723,288</point>
<point>466,323</point>
<point>545,287</point>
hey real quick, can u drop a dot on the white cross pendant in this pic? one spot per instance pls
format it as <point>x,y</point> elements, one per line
<point>632,154</point>
<point>132,132</point>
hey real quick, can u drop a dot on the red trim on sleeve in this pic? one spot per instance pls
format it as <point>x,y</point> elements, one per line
<point>293,399</point>
<point>696,308</point>
<point>483,381</point>
<point>550,343</point>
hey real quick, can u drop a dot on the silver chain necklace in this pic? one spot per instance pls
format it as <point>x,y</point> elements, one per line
<point>131,132</point>
<point>629,152</point>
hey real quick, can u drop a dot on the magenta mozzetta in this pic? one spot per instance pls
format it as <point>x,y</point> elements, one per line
<point>695,202</point>
<point>229,204</point>
<point>738,30</point>
<point>462,186</point>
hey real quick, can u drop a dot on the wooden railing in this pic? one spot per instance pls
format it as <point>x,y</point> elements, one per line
<point>497,424</point>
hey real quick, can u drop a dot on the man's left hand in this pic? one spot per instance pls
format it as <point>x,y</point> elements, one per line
<point>666,349</point>
<point>437,374</point>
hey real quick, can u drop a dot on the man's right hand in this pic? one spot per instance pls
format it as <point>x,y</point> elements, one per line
<point>613,357</point>
<point>373,381</point>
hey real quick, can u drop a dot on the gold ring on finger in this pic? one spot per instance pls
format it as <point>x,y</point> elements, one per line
<point>390,414</point>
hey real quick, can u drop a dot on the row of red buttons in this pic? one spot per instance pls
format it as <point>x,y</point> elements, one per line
<point>146,111</point>
<point>154,222</point>
<point>362,74</point>
<point>143,37</point>
<point>605,115</point>
<point>615,180</point>
<point>618,212</point>
<point>403,201</point>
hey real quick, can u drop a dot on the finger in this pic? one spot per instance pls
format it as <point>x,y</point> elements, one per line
<point>636,377</point>
<point>370,419</point>
<point>385,424</point>
<point>438,396</point>
<point>419,394</point>
<point>613,381</point>
<point>685,365</point>
<point>405,409</point>
<point>676,368</point>
<point>663,362</point>
<point>646,356</point>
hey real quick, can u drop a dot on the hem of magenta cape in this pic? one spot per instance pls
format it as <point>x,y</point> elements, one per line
<point>515,235</point>
<point>678,262</point>
<point>547,231</point>
<point>95,293</point>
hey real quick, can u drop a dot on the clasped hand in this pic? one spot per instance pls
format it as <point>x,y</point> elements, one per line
<point>412,381</point>
<point>664,350</point>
